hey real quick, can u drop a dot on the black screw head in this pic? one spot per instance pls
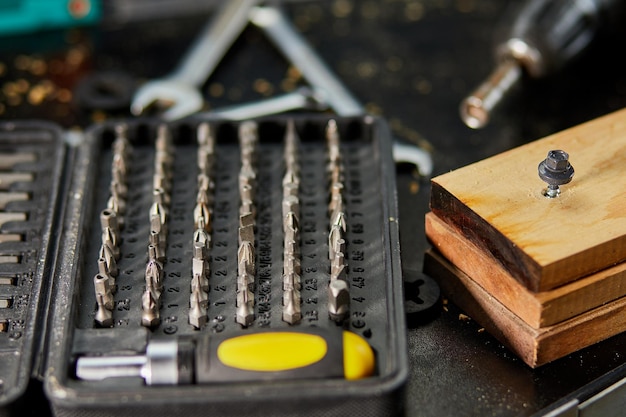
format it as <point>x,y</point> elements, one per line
<point>556,170</point>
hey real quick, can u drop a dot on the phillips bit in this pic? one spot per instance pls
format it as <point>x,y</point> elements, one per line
<point>104,316</point>
<point>291,281</point>
<point>291,265</point>
<point>200,267</point>
<point>292,312</point>
<point>338,300</point>
<point>245,311</point>
<point>201,236</point>
<point>154,278</point>
<point>291,207</point>
<point>291,176</point>
<point>150,316</point>
<point>197,311</point>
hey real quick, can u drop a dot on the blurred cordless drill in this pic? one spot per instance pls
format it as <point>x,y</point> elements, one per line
<point>543,37</point>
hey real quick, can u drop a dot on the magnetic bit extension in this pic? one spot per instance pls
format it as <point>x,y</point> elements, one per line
<point>112,221</point>
<point>338,289</point>
<point>158,217</point>
<point>246,266</point>
<point>202,218</point>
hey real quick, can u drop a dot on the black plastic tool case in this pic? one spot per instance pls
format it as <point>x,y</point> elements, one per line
<point>373,260</point>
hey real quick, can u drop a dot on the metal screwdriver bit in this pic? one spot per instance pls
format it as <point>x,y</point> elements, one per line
<point>108,219</point>
<point>201,236</point>
<point>292,312</point>
<point>291,265</point>
<point>110,239</point>
<point>245,311</point>
<point>291,281</point>
<point>201,211</point>
<point>205,136</point>
<point>119,189</point>
<point>150,316</point>
<point>103,270</point>
<point>102,287</point>
<point>118,205</point>
<point>291,206</point>
<point>199,283</point>
<point>104,316</point>
<point>155,241</point>
<point>106,254</point>
<point>197,313</point>
<point>338,300</point>
<point>246,253</point>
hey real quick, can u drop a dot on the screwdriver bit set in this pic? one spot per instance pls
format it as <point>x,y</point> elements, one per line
<point>205,266</point>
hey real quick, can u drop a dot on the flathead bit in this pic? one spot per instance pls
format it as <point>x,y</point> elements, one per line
<point>106,254</point>
<point>292,311</point>
<point>104,316</point>
<point>197,313</point>
<point>102,287</point>
<point>150,316</point>
<point>338,300</point>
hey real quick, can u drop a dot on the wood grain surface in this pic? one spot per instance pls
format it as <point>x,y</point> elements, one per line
<point>498,204</point>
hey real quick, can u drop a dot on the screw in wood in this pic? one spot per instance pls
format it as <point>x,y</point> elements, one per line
<point>555,170</point>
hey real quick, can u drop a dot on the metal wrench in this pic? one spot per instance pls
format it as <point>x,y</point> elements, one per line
<point>279,29</point>
<point>304,98</point>
<point>180,90</point>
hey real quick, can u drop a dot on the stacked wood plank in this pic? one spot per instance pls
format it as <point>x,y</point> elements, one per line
<point>546,276</point>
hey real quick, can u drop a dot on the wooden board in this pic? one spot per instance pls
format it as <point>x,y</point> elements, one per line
<point>536,309</point>
<point>498,204</point>
<point>535,347</point>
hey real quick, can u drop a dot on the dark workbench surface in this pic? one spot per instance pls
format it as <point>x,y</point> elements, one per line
<point>411,61</point>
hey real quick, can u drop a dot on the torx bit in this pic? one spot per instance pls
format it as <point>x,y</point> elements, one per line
<point>338,300</point>
<point>292,310</point>
<point>102,287</point>
<point>104,316</point>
